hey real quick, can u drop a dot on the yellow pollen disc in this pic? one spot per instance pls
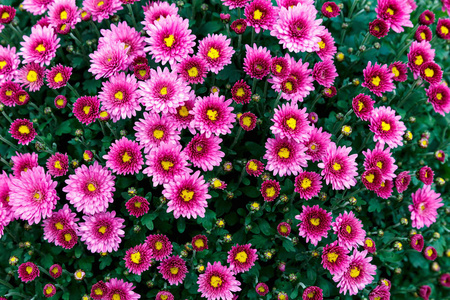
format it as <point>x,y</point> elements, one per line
<point>422,207</point>
<point>369,243</point>
<point>257,15</point>
<point>187,195</point>
<point>29,269</point>
<point>376,80</point>
<point>199,148</point>
<point>332,257</point>
<point>283,229</point>
<point>86,109</point>
<point>58,165</point>
<point>104,114</point>
<point>183,111</point>
<point>383,184</point>
<point>444,30</point>
<point>60,102</point>
<point>313,147</point>
<point>48,290</point>
<point>40,48</point>
<point>347,129</point>
<point>8,93</point>
<point>158,134</point>
<point>315,221</point>
<point>311,295</point>
<point>212,114</point>
<point>67,237</point>
<point>2,64</point>
<point>426,174</point>
<point>23,129</point>
<point>337,166</point>
<point>379,164</point>
<point>217,183</point>
<point>395,71</point>
<point>270,192</point>
<point>59,226</point>
<point>32,76</point>
<point>126,158</point>
<point>278,68</point>
<point>166,165</point>
<point>137,204</point>
<point>174,270</point>
<point>239,26</point>
<point>247,121</point>
<point>118,95</point>
<point>215,281</point>
<point>91,187</point>
<point>142,73</point>
<point>377,298</point>
<point>63,15</point>
<point>240,92</point>
<point>215,90</point>
<point>370,178</point>
<point>284,153</point>
<point>429,252</point>
<point>252,166</point>
<point>385,126</point>
<point>116,297</point>
<point>439,155</point>
<point>98,292</point>
<point>199,243</point>
<point>158,245</point>
<point>390,11</point>
<point>439,96</point>
<point>100,3</point>
<point>164,297</point>
<point>360,105</point>
<point>193,72</point>
<point>306,183</point>
<point>22,98</point>
<point>259,67</point>
<point>348,229</point>
<point>321,45</point>
<point>58,78</point>
<point>423,36</point>
<point>354,272</point>
<point>169,41</point>
<point>102,229</point>
<point>213,53</point>
<point>83,14</point>
<point>241,257</point>
<point>288,86</point>
<point>136,257</point>
<point>329,9</point>
<point>429,72</point>
<point>163,91</point>
<point>25,169</point>
<point>419,60</point>
<point>377,28</point>
<point>5,15</point>
<point>261,289</point>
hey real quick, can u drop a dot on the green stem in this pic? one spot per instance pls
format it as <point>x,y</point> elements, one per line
<point>6,116</point>
<point>315,101</point>
<point>7,284</point>
<point>8,143</point>
<point>355,2</point>
<point>236,138</point>
<point>73,90</point>
<point>253,85</point>
<point>277,100</point>
<point>97,32</point>
<point>414,85</point>
<point>253,37</point>
<point>112,130</point>
<point>130,9</point>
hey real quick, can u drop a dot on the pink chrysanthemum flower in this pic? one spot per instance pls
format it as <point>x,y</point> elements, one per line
<point>108,60</point>
<point>261,14</point>
<point>124,157</point>
<point>86,109</point>
<point>199,243</point>
<point>183,117</point>
<point>213,115</point>
<point>40,47</point>
<point>381,159</point>
<point>55,271</point>
<point>270,189</point>
<point>64,12</point>
<point>218,282</point>
<point>378,79</point>
<point>241,258</point>
<point>164,162</point>
<point>33,196</point>
<point>290,122</point>
<point>164,91</point>
<point>138,259</point>
<point>327,48</point>
<point>28,271</point>
<point>324,73</point>
<point>21,97</point>
<point>427,17</point>
<point>358,274</point>
<point>137,206</point>
<point>284,229</point>
<point>90,189</point>
<point>297,28</point>
<point>58,164</point>
<point>280,67</point>
<point>257,61</point>
<point>426,175</point>
<point>330,9</point>
<point>254,167</point>
<point>7,91</point>
<point>102,232</point>
<point>98,290</point>
<point>23,163</point>
<point>154,129</point>
<point>424,207</point>
<point>369,245</point>
<point>430,253</point>
<point>261,289</point>
<point>67,238</point>
<point>363,106</point>
<point>192,69</point>
<point>216,51</point>
<point>423,33</point>
<point>187,195</point>
<point>424,292</point>
<point>7,214</point>
<point>232,4</point>
<point>349,230</point>
<point>60,101</point>
<point>160,245</point>
<point>102,9</point>
<point>396,13</point>
<point>36,7</point>
<point>339,168</point>
<point>248,121</point>
<point>142,72</point>
<point>315,223</point>
<point>400,71</point>
<point>170,40</point>
<point>431,72</point>
<point>173,269</point>
<point>239,26</point>
<point>119,289</point>
<point>317,143</point>
<point>58,76</point>
<point>204,152</point>
<point>386,189</point>
<point>154,11</point>
<point>313,292</point>
<point>402,181</point>
<point>58,221</point>
<point>163,295</point>
<point>417,242</point>
<point>9,62</point>
<point>31,76</point>
<point>7,14</point>
<point>443,29</point>
<point>379,28</point>
<point>22,130</point>
<point>419,53</point>
<point>439,96</point>
<point>387,127</point>
<point>335,258</point>
<point>308,185</point>
<point>285,157</point>
<point>380,293</point>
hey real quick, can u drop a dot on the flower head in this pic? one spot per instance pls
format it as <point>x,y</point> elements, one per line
<point>254,167</point>
<point>290,122</point>
<point>55,271</point>
<point>138,259</point>
<point>137,206</point>
<point>40,47</point>
<point>402,181</point>
<point>240,25</point>
<point>327,49</point>
<point>154,11</point>
<point>417,242</point>
<point>443,29</point>
<point>378,79</point>
<point>119,289</point>
<point>430,253</point>
<point>270,189</point>
<point>431,72</point>
<point>387,127</point>
<point>58,76</point>
<point>160,245</point>
<point>199,243</point>
<point>216,51</point>
<point>86,109</point>
<point>325,72</point>
<point>308,185</point>
<point>426,175</point>
<point>315,223</point>
<point>241,258</point>
<point>335,258</point>
<point>98,290</point>
<point>261,14</point>
<point>23,163</point>
<point>313,292</point>
<point>363,106</point>
<point>192,69</point>
<point>349,230</point>
<point>31,76</point>
<point>386,189</point>
<point>382,160</point>
<point>396,13</point>
<point>124,157</point>
<point>257,61</point>
<point>241,92</point>
<point>427,17</point>
<point>262,289</point>
<point>173,269</point>
<point>9,62</point>
<point>400,71</point>
<point>439,96</point>
<point>423,33</point>
<point>204,152</point>
<point>102,9</point>
<point>109,59</point>
<point>28,271</point>
<point>218,282</point>
<point>424,207</point>
<point>284,229</point>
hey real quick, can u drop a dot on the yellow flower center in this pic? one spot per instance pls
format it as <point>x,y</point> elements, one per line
<point>311,295</point>
<point>187,195</point>
<point>136,257</point>
<point>199,243</point>
<point>199,148</point>
<point>332,257</point>
<point>369,243</point>
<point>215,281</point>
<point>337,166</point>
<point>348,229</point>
<point>252,166</point>
<point>278,68</point>
<point>29,269</point>
<point>270,192</point>
<point>98,292</point>
<point>288,85</point>
<point>306,183</point>
<point>57,165</point>
<point>193,72</point>
<point>158,134</point>
<point>163,91</point>
<point>59,226</point>
<point>429,252</point>
<point>241,257</point>
<point>63,15</point>
<point>142,72</point>
<point>370,177</point>
<point>169,40</point>
<point>58,78</point>
<point>86,109</point>
<point>55,270</point>
<point>23,129</point>
<point>390,11</point>
<point>37,196</point>
<point>240,92</point>
<point>48,290</point>
<point>247,121</point>
<point>422,207</point>
<point>32,76</point>
<point>257,14</point>
<point>5,15</point>
<point>283,229</point>
<point>376,80</point>
<point>315,221</point>
<point>429,72</point>
<point>395,71</point>
<point>383,184</point>
<point>439,96</point>
<point>360,105</point>
<point>379,164</point>
<point>292,123</point>
<point>284,153</point>
<point>118,95</point>
<point>126,158</point>
<point>2,64</point>
<point>60,102</point>
<point>217,183</point>
<point>261,289</point>
<point>444,30</point>
<point>213,53</point>
<point>102,229</point>
<point>354,272</point>
<point>91,187</point>
<point>137,204</point>
<point>422,35</point>
<point>166,165</point>
<point>321,45</point>
<point>116,296</point>
<point>164,297</point>
<point>158,245</point>
<point>40,48</point>
<point>212,114</point>
<point>183,111</point>
<point>174,270</point>
<point>329,9</point>
<point>8,92</point>
<point>419,60</point>
<point>385,126</point>
<point>67,237</point>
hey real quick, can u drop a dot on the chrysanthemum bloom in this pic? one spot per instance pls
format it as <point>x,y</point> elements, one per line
<point>98,290</point>
<point>160,245</point>
<point>329,92</point>
<point>424,207</point>
<point>36,7</point>
<point>372,178</point>
<point>142,72</point>
<point>137,206</point>
<point>378,79</point>
<point>426,175</point>
<point>424,292</point>
<point>326,49</point>
<point>232,4</point>
<point>402,181</point>
<point>381,159</point>
<point>67,238</point>
<point>138,259</point>
<point>28,271</point>
<point>58,76</point>
<point>417,242</point>
<point>124,157</point>
<point>254,167</point>
<point>363,106</point>
<point>60,101</point>
<point>400,71</point>
<point>358,274</point>
<point>163,295</point>
<point>248,121</point>
<point>239,26</point>
<point>369,245</point>
<point>218,282</point>
<point>23,131</point>
<point>440,155</point>
<point>284,229</point>
<point>439,96</point>
<point>386,189</point>
<point>109,59</point>
<point>290,122</point>
<point>308,184</point>
<point>262,289</point>
<point>102,9</point>
<point>396,13</point>
<point>204,152</point>
<point>9,62</point>
<point>164,162</point>
<point>335,258</point>
<point>443,29</point>
<point>241,258</point>
<point>199,243</point>
<point>216,51</point>
<point>419,53</point>
<point>324,73</point>
<point>102,232</point>
<point>23,162</point>
<point>7,90</point>
<point>58,164</point>
<point>118,289</point>
<point>40,47</point>
<point>380,293</point>
<point>298,30</point>
<point>187,195</point>
<point>58,221</point>
<point>173,269</point>
<point>7,14</point>
<point>379,28</point>
<point>387,127</point>
<point>317,143</point>
<point>55,271</point>
<point>349,230</point>
<point>270,189</point>
<point>183,117</point>
<point>260,14</point>
<point>423,33</point>
<point>339,168</point>
<point>90,189</point>
<point>192,69</point>
<point>279,67</point>
<point>86,109</point>
<point>257,61</point>
<point>430,253</point>
<point>330,10</point>
<point>431,72</point>
<point>154,11</point>
<point>31,76</point>
<point>241,92</point>
<point>427,17</point>
<point>315,223</point>
<point>64,13</point>
<point>313,292</point>
<point>444,280</point>
<point>21,97</point>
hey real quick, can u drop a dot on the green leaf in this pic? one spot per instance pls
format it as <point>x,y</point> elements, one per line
<point>265,228</point>
<point>64,128</point>
<point>288,246</point>
<point>181,225</point>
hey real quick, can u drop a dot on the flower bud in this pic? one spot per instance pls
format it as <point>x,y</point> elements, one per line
<point>220,223</point>
<point>340,56</point>
<point>339,116</point>
<point>435,267</point>
<point>132,191</point>
<point>79,132</point>
<point>255,206</point>
<point>377,45</point>
<point>123,132</point>
<point>355,81</point>
<point>380,232</point>
<point>149,284</point>
<point>227,166</point>
<point>136,228</point>
<point>346,130</point>
<point>292,277</point>
<point>256,98</point>
<point>350,50</point>
<point>404,221</point>
<point>440,181</point>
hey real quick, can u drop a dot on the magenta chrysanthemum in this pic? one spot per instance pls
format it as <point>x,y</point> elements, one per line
<point>98,290</point>
<point>315,223</point>
<point>387,127</point>
<point>349,230</point>
<point>335,258</point>
<point>55,271</point>
<point>254,167</point>
<point>370,245</point>
<point>261,14</point>
<point>64,13</point>
<point>419,53</point>
<point>363,106</point>
<point>58,164</point>
<point>232,4</point>
<point>313,292</point>
<point>163,295</point>
<point>204,152</point>
<point>402,181</point>
<point>173,269</point>
<point>216,52</point>
<point>58,221</point>
<point>317,143</point>
<point>218,282</point>
<point>183,117</point>
<point>386,189</point>
<point>327,48</point>
<point>108,60</point>
<point>290,122</point>
<point>192,69</point>
<point>102,9</point>
<point>31,76</point>
<point>325,72</point>
<point>23,163</point>
<point>119,289</point>
<point>426,175</point>
<point>124,157</point>
<point>36,7</point>
<point>270,189</point>
<point>417,242</point>
<point>284,229</point>
<point>199,243</point>
<point>7,91</point>
<point>431,72</point>
<point>381,159</point>
<point>424,207</point>
<point>9,61</point>
<point>381,292</point>
<point>137,206</point>
<point>22,130</point>
<point>257,61</point>
<point>86,109</point>
<point>308,185</point>
<point>154,11</point>
<point>439,96</point>
<point>58,76</point>
<point>378,79</point>
<point>40,47</point>
<point>160,245</point>
<point>396,13</point>
<point>241,258</point>
<point>28,271</point>
<point>138,259</point>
